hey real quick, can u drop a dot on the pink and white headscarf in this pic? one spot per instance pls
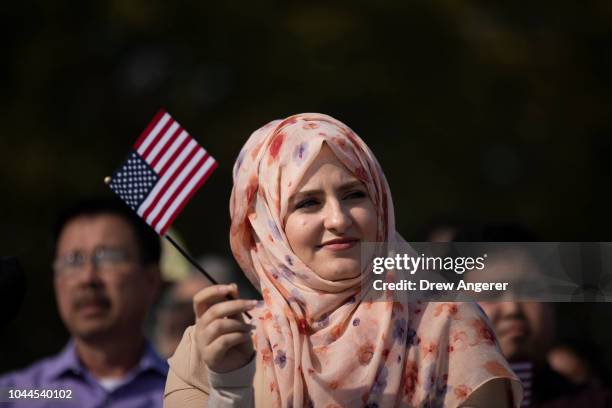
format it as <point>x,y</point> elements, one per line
<point>323,343</point>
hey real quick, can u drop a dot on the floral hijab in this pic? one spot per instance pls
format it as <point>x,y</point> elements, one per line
<point>322,343</point>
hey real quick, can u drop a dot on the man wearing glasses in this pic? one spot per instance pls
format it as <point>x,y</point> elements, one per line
<point>106,276</point>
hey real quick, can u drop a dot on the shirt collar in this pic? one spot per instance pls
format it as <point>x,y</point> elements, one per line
<point>67,361</point>
<point>150,360</point>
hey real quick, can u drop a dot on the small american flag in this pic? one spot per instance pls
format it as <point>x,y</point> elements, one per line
<point>162,172</point>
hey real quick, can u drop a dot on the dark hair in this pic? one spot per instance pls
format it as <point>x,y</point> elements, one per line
<point>148,241</point>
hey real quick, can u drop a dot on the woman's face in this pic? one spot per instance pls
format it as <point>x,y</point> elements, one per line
<point>328,216</point>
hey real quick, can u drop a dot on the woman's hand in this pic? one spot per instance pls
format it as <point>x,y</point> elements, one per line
<point>221,334</point>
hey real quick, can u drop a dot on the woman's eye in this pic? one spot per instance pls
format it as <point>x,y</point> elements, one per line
<point>355,194</point>
<point>310,202</point>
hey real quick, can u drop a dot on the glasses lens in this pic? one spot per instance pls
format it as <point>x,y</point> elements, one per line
<point>109,257</point>
<point>102,258</point>
<point>69,263</point>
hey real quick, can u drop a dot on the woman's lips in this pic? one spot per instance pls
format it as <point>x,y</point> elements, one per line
<point>340,244</point>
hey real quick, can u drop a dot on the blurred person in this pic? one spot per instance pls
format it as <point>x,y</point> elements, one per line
<point>175,312</point>
<point>441,228</point>
<point>307,193</point>
<point>106,277</point>
<point>224,270</point>
<point>525,331</point>
<point>579,361</point>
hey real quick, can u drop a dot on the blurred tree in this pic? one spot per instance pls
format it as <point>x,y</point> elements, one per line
<point>497,110</point>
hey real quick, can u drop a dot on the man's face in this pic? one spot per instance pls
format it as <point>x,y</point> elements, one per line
<point>102,289</point>
<point>523,329</point>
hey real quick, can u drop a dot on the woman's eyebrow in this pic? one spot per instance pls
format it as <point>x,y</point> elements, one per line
<point>304,193</point>
<point>309,193</point>
<point>352,184</point>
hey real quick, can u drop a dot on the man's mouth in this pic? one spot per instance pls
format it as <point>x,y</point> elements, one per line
<point>513,328</point>
<point>91,305</point>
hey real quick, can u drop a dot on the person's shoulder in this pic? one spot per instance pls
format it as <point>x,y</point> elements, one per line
<point>33,375</point>
<point>153,360</point>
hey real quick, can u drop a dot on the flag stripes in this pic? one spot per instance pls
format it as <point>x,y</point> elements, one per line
<point>181,166</point>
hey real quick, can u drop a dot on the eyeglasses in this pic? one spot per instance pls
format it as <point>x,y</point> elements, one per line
<point>103,259</point>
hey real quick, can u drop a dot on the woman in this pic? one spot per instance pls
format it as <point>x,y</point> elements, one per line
<point>307,191</point>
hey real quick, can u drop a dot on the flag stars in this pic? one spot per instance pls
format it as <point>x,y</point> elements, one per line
<point>133,181</point>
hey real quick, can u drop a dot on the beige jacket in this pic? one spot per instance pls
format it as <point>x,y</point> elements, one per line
<point>188,385</point>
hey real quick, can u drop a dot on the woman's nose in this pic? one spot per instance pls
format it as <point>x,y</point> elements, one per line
<point>337,217</point>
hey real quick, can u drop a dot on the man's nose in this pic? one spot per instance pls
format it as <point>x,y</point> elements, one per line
<point>337,217</point>
<point>90,272</point>
<point>511,308</point>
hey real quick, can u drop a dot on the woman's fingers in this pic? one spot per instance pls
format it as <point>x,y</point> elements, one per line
<point>229,308</point>
<point>211,295</point>
<point>223,343</point>
<point>221,333</point>
<point>220,327</point>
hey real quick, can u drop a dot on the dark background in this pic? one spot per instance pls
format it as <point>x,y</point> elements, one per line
<point>494,112</point>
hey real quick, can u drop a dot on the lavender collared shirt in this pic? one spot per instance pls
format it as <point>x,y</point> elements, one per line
<point>144,388</point>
